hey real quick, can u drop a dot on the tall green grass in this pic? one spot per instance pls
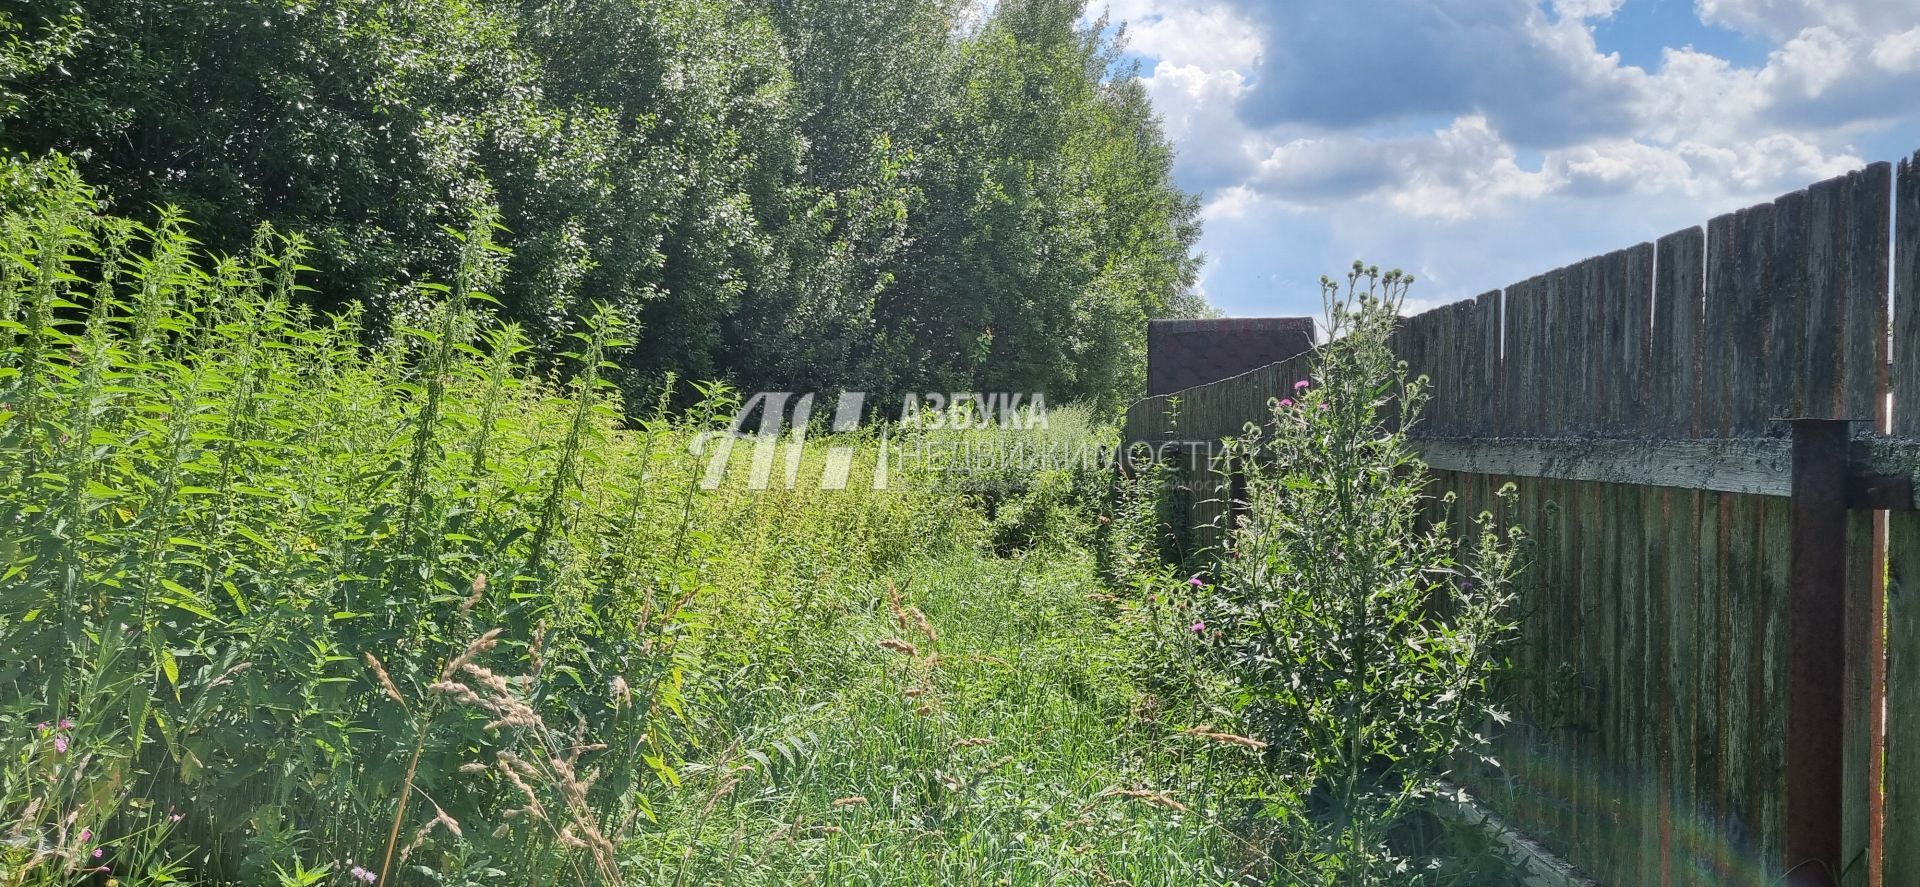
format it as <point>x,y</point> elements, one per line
<point>281,592</point>
<point>988,731</point>
<point>287,600</point>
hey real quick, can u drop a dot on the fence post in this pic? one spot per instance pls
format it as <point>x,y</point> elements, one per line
<point>1816,651</point>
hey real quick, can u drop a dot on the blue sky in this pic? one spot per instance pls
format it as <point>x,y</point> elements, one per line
<point>1478,142</point>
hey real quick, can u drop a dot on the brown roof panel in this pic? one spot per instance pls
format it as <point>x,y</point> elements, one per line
<point>1185,353</point>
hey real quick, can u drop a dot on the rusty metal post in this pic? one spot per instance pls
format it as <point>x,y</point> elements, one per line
<point>1816,651</point>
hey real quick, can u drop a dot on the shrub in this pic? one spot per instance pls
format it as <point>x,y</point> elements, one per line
<point>1358,642</point>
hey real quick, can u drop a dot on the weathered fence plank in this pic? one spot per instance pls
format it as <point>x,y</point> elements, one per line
<point>1901,856</point>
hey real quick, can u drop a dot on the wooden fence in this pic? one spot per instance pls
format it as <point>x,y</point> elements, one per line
<point>1719,669</point>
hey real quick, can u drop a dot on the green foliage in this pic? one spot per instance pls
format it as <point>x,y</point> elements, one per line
<point>291,600</point>
<point>1355,635</point>
<point>992,741</point>
<point>33,47</point>
<point>275,600</point>
<point>1041,476</point>
<point>793,194</point>
<point>1341,631</point>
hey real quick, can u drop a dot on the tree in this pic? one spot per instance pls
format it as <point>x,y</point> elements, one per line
<point>793,194</point>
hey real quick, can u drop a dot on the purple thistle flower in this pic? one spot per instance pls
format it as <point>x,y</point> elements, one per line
<point>1301,385</point>
<point>1195,581</point>
<point>1199,627</point>
<point>1286,401</point>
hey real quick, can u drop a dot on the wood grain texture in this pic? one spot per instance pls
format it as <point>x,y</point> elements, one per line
<point>1901,855</point>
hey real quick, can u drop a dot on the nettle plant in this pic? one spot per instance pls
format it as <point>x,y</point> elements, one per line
<point>282,598</point>
<point>1361,636</point>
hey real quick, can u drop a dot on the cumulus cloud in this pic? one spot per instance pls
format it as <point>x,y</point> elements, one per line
<point>1616,167</point>
<point>1539,79</point>
<point>1230,203</point>
<point>1435,127</point>
<point>1586,8</point>
<point>1835,63</point>
<point>1196,107</point>
<point>1781,19</point>
<point>1211,35</point>
<point>1450,173</point>
<point>1898,53</point>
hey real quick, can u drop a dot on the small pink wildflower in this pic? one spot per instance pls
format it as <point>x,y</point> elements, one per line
<point>86,834</point>
<point>66,723</point>
<point>1195,582</point>
<point>1301,385</point>
<point>60,744</point>
<point>97,851</point>
<point>176,817</point>
<point>1199,627</point>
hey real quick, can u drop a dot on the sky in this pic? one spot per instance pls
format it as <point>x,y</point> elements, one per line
<point>1475,143</point>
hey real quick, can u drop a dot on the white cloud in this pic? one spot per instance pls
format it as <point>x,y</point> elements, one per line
<point>1808,64</point>
<point>1197,109</point>
<point>1539,79</point>
<point>1586,8</point>
<point>1209,35</point>
<point>1451,173</point>
<point>1898,53</point>
<point>1445,133</point>
<point>1617,166</point>
<point>1836,63</point>
<point>1411,306</point>
<point>1465,170</point>
<point>1230,203</point>
<point>1781,19</point>
<point>1768,164</point>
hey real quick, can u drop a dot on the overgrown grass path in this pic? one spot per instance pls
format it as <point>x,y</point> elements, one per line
<point>978,729</point>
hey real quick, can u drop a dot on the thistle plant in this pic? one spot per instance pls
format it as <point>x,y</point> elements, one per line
<point>1361,642</point>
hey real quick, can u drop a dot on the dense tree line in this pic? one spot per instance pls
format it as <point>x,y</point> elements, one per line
<point>887,195</point>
